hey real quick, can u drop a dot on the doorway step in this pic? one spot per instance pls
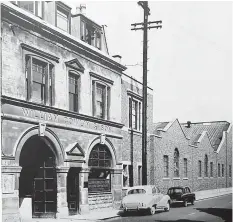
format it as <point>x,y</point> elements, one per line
<point>99,201</point>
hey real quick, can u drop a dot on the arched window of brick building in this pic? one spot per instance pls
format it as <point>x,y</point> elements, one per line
<point>206,166</point>
<point>176,163</point>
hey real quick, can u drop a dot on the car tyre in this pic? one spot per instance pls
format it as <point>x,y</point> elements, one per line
<point>167,208</point>
<point>192,201</point>
<point>185,203</point>
<point>152,210</point>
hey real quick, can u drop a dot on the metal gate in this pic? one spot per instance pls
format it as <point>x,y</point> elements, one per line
<point>45,190</point>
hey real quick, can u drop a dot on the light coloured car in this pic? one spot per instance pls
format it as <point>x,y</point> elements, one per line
<point>145,198</point>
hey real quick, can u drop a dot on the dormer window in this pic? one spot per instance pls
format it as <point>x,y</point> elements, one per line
<point>34,7</point>
<point>91,34</point>
<point>63,15</point>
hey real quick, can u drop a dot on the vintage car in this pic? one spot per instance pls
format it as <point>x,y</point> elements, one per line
<point>182,195</point>
<point>145,198</point>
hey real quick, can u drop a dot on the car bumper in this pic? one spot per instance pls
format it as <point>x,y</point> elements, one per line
<point>139,208</point>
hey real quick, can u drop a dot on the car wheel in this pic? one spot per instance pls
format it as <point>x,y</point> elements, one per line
<point>185,203</point>
<point>125,212</point>
<point>192,201</point>
<point>152,211</point>
<point>167,208</point>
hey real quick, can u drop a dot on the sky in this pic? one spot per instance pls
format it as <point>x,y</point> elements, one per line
<point>189,59</point>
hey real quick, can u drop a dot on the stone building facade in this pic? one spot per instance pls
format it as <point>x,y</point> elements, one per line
<point>61,113</point>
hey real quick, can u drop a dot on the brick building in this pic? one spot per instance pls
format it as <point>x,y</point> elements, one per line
<point>198,155</point>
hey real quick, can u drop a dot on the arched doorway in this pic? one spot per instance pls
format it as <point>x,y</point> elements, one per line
<point>38,179</point>
<point>100,164</point>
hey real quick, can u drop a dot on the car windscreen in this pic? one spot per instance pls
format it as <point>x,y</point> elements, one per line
<point>136,191</point>
<point>175,190</point>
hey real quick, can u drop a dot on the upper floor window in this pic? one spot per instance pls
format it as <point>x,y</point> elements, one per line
<point>34,7</point>
<point>63,17</point>
<point>39,79</point>
<point>73,92</point>
<point>101,100</point>
<point>229,170</point>
<point>176,163</point>
<point>90,34</point>
<point>185,167</point>
<point>206,166</point>
<point>135,114</point>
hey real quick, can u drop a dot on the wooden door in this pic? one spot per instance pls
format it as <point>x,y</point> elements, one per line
<point>45,190</point>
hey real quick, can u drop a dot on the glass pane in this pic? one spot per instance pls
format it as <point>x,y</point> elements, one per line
<point>39,173</point>
<point>62,21</point>
<point>99,109</point>
<point>71,102</point>
<point>39,196</point>
<point>50,207</point>
<point>28,5</point>
<point>101,163</point>
<point>49,184</point>
<point>37,92</point>
<point>50,162</point>
<point>38,207</point>
<point>50,196</point>
<point>101,155</point>
<point>39,184</point>
<point>94,154</point>
<point>49,173</point>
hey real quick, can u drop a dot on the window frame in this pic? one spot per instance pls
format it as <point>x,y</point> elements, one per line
<point>59,6</point>
<point>176,160</point>
<point>230,170</point>
<point>223,170</point>
<point>138,113</point>
<point>77,87</point>
<point>95,31</point>
<point>185,168</point>
<point>49,93</point>
<point>38,7</point>
<point>166,166</point>
<point>199,168</point>
<point>211,169</point>
<point>219,170</point>
<point>206,166</point>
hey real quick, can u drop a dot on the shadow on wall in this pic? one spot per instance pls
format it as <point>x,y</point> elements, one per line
<point>225,214</point>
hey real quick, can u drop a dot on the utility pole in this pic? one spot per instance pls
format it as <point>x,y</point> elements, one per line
<point>145,27</point>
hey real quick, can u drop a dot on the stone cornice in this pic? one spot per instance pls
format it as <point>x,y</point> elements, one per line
<point>23,103</point>
<point>133,94</point>
<point>15,15</point>
<point>101,78</point>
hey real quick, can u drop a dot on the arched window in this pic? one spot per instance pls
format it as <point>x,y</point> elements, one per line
<point>176,163</point>
<point>100,156</point>
<point>206,166</point>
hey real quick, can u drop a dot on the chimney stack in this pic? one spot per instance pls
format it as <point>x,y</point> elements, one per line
<point>188,124</point>
<point>81,9</point>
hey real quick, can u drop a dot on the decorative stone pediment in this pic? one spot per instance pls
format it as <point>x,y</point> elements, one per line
<point>74,150</point>
<point>75,64</point>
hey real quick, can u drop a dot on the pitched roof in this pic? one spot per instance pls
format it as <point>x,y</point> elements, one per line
<point>214,130</point>
<point>160,125</point>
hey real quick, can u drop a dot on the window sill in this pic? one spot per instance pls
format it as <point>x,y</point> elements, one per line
<point>185,178</point>
<point>199,178</point>
<point>134,131</point>
<point>166,178</point>
<point>176,178</point>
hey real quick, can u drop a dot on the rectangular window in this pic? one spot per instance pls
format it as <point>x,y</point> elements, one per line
<point>139,175</point>
<point>73,92</point>
<point>229,170</point>
<point>185,168</point>
<point>62,19</point>
<point>135,117</point>
<point>166,166</point>
<point>34,7</point>
<point>39,79</point>
<point>90,34</point>
<point>101,100</point>
<point>222,170</point>
<point>199,169</point>
<point>211,169</point>
<point>219,170</point>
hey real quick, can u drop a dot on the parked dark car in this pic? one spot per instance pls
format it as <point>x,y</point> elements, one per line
<point>181,194</point>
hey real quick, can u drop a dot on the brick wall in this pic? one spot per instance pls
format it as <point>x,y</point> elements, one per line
<point>174,137</point>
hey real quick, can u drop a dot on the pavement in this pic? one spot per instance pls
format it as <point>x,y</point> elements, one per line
<point>109,213</point>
